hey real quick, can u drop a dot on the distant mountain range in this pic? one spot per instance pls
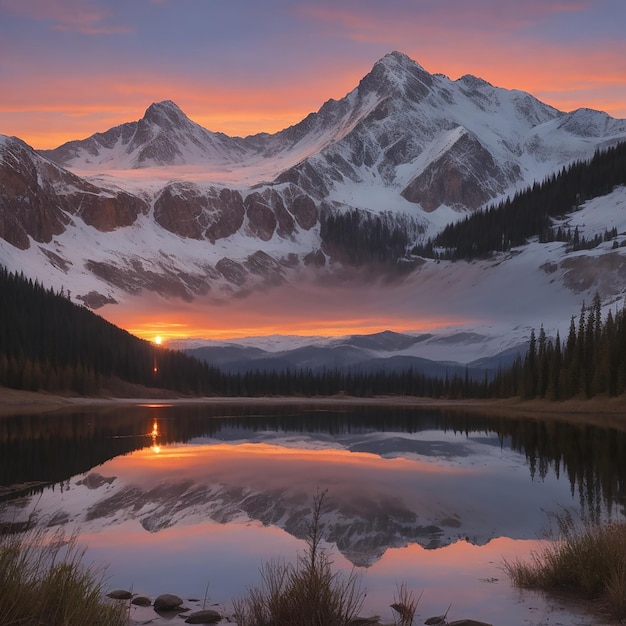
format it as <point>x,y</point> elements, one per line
<point>164,206</point>
<point>454,354</point>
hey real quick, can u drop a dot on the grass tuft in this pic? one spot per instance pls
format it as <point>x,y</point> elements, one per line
<point>43,581</point>
<point>307,594</point>
<point>588,562</point>
<point>405,605</point>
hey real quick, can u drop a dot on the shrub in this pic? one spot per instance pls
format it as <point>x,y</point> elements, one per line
<point>307,594</point>
<point>43,581</point>
<point>588,562</point>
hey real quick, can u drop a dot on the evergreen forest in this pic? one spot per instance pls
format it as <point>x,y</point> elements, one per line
<point>535,212</point>
<point>48,343</point>
<point>358,238</point>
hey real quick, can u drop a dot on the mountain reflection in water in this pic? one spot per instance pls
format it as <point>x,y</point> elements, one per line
<point>402,484</point>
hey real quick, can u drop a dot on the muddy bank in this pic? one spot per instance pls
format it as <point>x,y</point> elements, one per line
<point>601,411</point>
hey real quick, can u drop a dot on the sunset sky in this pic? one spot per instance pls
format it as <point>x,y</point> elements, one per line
<point>70,68</point>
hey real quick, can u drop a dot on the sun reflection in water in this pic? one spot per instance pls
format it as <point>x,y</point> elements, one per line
<point>155,435</point>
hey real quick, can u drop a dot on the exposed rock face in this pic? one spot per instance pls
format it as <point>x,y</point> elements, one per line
<point>306,176</point>
<point>232,271</point>
<point>305,211</point>
<point>285,220</point>
<point>316,259</point>
<point>182,209</point>
<point>270,211</point>
<point>95,300</point>
<point>133,277</point>
<point>261,219</point>
<point>263,265</point>
<point>108,213</point>
<point>26,209</point>
<point>38,198</point>
<point>466,175</point>
<point>229,211</point>
<point>189,211</point>
<point>607,273</point>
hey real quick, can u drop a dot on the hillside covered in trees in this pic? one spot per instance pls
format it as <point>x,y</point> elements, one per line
<point>356,238</point>
<point>590,361</point>
<point>532,213</point>
<point>49,343</point>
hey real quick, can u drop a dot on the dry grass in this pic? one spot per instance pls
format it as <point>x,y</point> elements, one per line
<point>43,581</point>
<point>588,563</point>
<point>405,605</point>
<point>307,594</point>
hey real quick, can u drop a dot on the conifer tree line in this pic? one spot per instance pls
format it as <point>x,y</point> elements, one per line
<point>49,343</point>
<point>357,238</point>
<point>530,213</point>
<point>590,361</point>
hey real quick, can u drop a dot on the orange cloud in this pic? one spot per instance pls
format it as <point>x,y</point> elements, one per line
<point>178,463</point>
<point>81,16</point>
<point>545,48</point>
<point>240,327</point>
<point>497,45</point>
<point>46,110</point>
<point>362,22</point>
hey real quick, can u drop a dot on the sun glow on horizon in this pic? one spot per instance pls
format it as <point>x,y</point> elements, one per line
<point>302,310</point>
<point>337,328</point>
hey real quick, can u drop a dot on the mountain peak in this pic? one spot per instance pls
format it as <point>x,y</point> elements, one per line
<point>473,82</point>
<point>397,73</point>
<point>166,114</point>
<point>400,60</point>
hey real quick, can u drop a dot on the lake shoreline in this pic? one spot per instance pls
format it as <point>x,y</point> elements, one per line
<point>603,412</point>
<point>600,411</point>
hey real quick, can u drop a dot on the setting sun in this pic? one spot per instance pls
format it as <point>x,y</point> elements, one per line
<point>158,340</point>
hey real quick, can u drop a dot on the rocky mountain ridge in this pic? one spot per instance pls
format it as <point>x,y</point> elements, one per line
<point>165,206</point>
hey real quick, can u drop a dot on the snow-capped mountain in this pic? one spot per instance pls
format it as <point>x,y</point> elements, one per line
<point>432,140</point>
<point>441,354</point>
<point>164,136</point>
<point>164,206</point>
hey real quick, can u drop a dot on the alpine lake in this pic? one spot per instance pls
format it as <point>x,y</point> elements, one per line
<point>194,499</point>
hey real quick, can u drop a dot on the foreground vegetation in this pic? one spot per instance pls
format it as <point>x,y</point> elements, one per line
<point>43,581</point>
<point>310,593</point>
<point>307,593</point>
<point>589,564</point>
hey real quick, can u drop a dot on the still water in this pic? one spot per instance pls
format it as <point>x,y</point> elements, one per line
<point>193,500</point>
